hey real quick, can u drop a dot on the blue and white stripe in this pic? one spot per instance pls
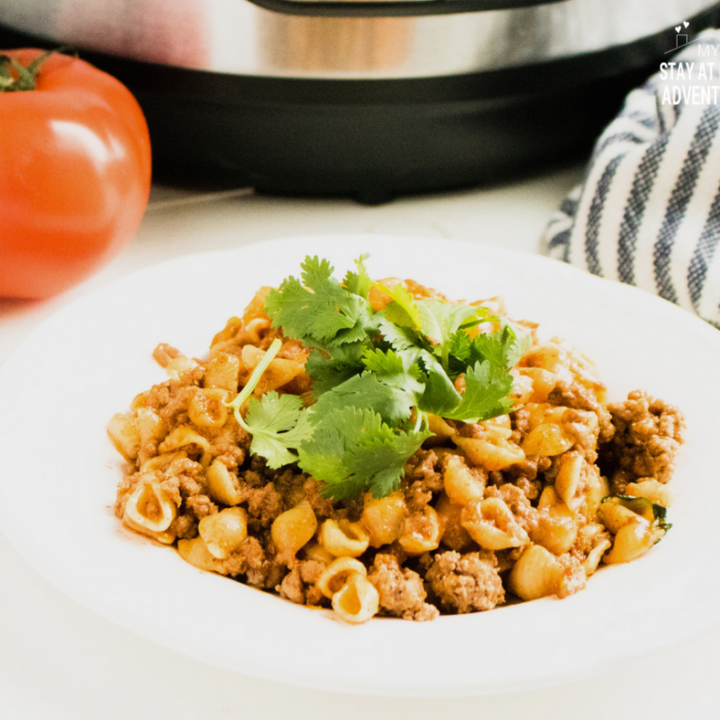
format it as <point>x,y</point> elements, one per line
<point>648,210</point>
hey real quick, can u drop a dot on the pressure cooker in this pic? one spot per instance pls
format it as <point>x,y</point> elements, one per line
<point>366,98</point>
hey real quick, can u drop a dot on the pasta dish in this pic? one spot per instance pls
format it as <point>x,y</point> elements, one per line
<point>375,448</point>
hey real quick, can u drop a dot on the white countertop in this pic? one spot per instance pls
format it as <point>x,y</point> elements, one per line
<point>58,661</point>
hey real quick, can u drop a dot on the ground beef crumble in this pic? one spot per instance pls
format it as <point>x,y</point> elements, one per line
<point>422,479</point>
<point>518,503</point>
<point>648,435</point>
<point>466,583</point>
<point>299,585</point>
<point>578,397</point>
<point>401,590</point>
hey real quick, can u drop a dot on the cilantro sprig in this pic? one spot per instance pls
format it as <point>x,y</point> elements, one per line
<point>277,423</point>
<point>376,375</point>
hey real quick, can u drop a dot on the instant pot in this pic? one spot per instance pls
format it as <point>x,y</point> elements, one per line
<point>363,97</point>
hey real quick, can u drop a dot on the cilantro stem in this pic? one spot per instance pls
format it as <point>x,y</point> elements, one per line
<point>252,383</point>
<point>479,321</point>
<point>421,421</point>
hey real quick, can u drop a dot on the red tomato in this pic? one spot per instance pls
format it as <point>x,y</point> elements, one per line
<point>74,175</point>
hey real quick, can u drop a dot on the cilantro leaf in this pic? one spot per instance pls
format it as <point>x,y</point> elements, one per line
<point>402,309</point>
<point>318,308</point>
<point>462,352</point>
<point>517,347</point>
<point>440,396</point>
<point>391,396</point>
<point>503,349</point>
<point>383,362</point>
<point>277,423</point>
<point>441,320</point>
<point>381,460</point>
<point>329,370</point>
<point>407,343</point>
<point>358,283</point>
<point>394,365</point>
<point>353,450</point>
<point>486,393</point>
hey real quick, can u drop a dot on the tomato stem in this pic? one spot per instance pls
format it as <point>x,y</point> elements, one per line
<point>23,78</point>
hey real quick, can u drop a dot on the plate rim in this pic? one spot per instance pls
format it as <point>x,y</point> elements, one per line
<point>303,679</point>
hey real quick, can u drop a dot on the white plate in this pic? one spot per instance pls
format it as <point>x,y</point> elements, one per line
<point>58,390</point>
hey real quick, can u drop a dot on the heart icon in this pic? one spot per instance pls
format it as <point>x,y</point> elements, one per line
<point>678,28</point>
<point>685,23</point>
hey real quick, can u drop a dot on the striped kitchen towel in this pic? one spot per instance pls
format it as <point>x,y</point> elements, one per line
<point>648,210</point>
